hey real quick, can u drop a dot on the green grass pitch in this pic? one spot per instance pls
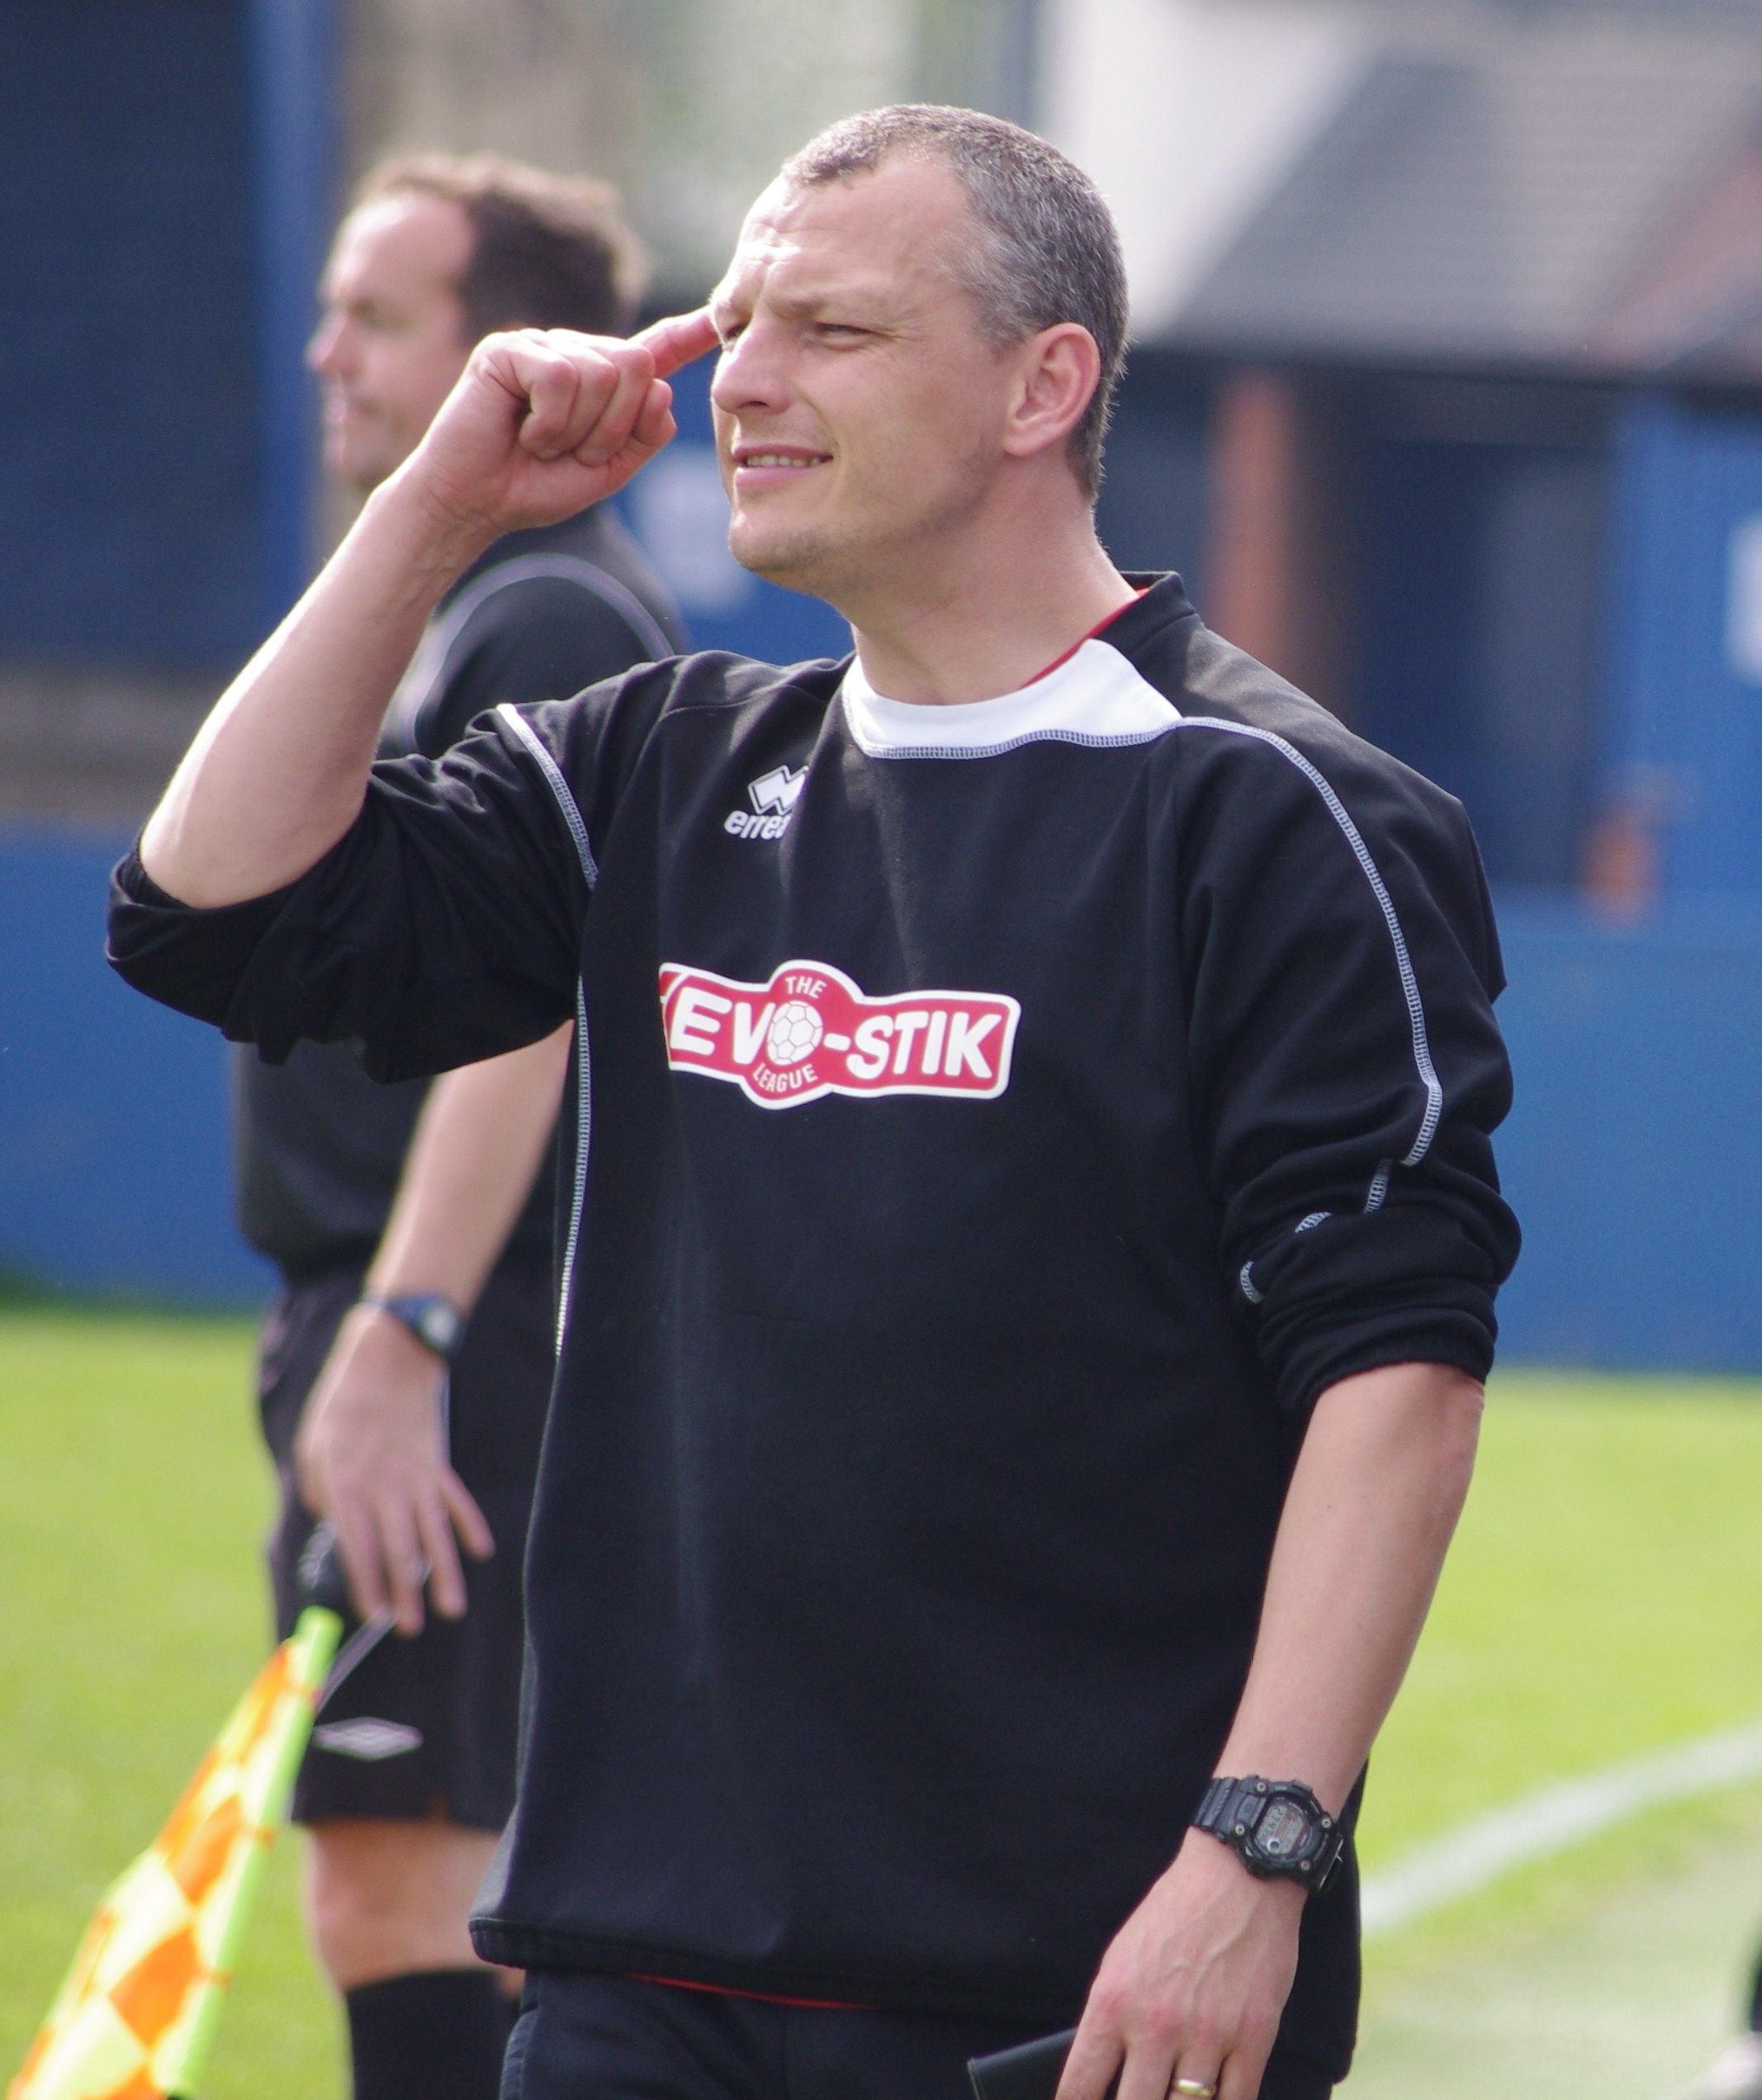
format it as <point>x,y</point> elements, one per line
<point>133,1497</point>
<point>1602,1599</point>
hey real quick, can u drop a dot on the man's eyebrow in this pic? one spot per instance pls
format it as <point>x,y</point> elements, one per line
<point>865,304</point>
<point>733,294</point>
<point>862,302</point>
<point>727,308</point>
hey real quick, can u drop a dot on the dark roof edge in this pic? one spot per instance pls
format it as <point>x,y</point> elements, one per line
<point>1675,375</point>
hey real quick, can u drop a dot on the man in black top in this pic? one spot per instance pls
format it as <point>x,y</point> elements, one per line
<point>410,1775</point>
<point>1034,1230</point>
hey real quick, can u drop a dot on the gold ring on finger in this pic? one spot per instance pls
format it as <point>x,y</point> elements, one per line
<point>1194,2089</point>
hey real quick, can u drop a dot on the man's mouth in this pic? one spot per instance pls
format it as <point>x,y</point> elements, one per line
<point>787,458</point>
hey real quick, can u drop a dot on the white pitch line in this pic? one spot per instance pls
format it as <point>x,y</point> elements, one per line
<point>1537,1825</point>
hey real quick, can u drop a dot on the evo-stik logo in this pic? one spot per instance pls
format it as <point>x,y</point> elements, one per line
<point>809,1031</point>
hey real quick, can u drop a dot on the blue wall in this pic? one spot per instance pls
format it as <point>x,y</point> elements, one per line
<point>131,499</point>
<point>1152,509</point>
<point>1633,1155</point>
<point>113,1150</point>
<point>165,179</point>
<point>1685,716</point>
<point>1485,599</point>
<point>293,50</point>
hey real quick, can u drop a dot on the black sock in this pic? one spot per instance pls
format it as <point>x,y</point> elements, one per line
<point>439,2035</point>
<point>1755,2001</point>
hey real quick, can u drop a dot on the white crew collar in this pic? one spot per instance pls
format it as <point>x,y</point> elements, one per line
<point>1095,696</point>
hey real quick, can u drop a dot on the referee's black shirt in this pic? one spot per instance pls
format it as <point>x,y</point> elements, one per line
<point>319,1146</point>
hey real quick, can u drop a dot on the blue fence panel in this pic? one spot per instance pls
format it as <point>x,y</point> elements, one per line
<point>1633,1155</point>
<point>114,1168</point>
<point>294,93</point>
<point>1686,701</point>
<point>128,405</point>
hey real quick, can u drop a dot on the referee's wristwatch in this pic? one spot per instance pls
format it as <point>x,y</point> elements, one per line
<point>1276,1827</point>
<point>433,1318</point>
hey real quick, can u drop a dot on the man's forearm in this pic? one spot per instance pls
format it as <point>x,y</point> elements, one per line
<point>371,1452</point>
<point>1371,1506</point>
<point>541,425</point>
<point>276,773</point>
<point>469,1170</point>
<point>1196,1978</point>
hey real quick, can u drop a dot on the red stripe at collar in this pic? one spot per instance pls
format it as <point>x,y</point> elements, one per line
<point>1100,627</point>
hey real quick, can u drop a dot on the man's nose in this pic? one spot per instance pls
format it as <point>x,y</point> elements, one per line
<point>752,371</point>
<point>322,352</point>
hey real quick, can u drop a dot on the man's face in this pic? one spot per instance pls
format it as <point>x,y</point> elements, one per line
<point>859,409</point>
<point>393,338</point>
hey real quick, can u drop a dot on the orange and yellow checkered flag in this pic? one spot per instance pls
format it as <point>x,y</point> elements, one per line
<point>136,2014</point>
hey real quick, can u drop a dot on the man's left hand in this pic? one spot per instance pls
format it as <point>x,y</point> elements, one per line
<point>1193,1985</point>
<point>370,1456</point>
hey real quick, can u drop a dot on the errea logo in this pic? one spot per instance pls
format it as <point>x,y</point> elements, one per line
<point>810,1031</point>
<point>774,795</point>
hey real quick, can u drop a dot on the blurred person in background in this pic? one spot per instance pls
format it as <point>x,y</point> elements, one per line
<point>406,1364</point>
<point>1040,1234</point>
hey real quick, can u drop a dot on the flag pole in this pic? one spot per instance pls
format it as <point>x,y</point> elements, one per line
<point>135,2017</point>
<point>310,1649</point>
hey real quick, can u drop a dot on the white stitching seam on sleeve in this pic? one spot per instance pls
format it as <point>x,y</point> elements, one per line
<point>565,802</point>
<point>571,815</point>
<point>1337,809</point>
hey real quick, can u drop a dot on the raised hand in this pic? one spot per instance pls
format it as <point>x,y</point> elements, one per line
<point>544,422</point>
<point>541,423</point>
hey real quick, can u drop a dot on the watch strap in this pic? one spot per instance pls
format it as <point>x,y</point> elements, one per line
<point>430,1315</point>
<point>1231,1810</point>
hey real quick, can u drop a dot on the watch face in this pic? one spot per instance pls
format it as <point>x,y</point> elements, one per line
<point>439,1328</point>
<point>1285,1831</point>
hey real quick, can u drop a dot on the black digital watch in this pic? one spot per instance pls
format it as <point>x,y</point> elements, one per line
<point>1276,1827</point>
<point>434,1319</point>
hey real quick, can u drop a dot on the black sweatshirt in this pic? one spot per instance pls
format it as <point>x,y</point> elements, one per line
<point>1003,1122</point>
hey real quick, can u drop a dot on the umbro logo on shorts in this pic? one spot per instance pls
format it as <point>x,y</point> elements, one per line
<point>369,1739</point>
<point>773,796</point>
<point>810,1031</point>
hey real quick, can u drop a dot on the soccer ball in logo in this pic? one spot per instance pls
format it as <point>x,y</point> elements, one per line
<point>794,1033</point>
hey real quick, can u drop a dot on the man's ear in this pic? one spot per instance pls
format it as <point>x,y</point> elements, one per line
<point>1058,370</point>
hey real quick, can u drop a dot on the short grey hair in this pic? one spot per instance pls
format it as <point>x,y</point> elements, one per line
<point>1050,251</point>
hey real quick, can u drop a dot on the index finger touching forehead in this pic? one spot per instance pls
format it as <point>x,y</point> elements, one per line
<point>678,340</point>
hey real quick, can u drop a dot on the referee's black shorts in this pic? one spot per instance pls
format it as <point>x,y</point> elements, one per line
<point>425,1727</point>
